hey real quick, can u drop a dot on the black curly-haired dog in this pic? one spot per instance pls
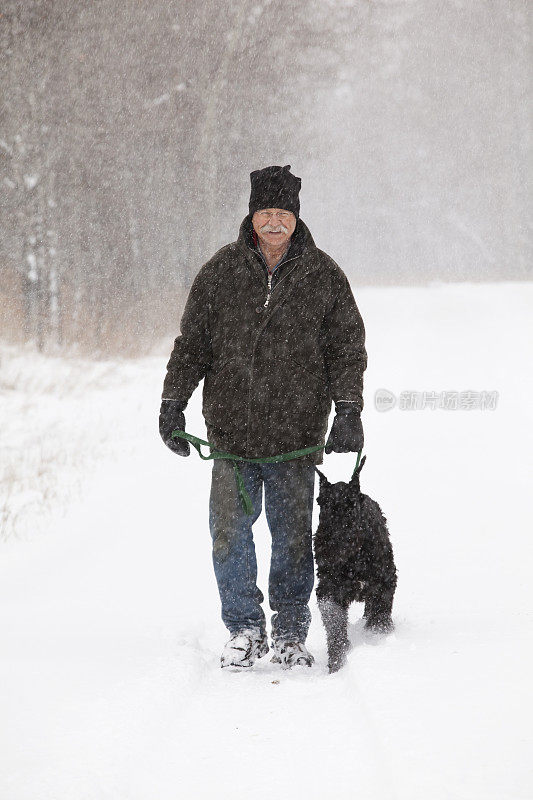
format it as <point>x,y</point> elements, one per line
<point>354,563</point>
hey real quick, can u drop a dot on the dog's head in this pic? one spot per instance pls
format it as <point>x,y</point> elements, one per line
<point>340,494</point>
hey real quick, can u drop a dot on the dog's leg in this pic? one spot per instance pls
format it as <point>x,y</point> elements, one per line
<point>335,619</point>
<point>378,610</point>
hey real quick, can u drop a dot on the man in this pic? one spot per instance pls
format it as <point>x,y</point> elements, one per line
<point>272,325</point>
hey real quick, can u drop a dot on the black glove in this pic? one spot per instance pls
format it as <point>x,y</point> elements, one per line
<point>346,435</point>
<point>171,416</point>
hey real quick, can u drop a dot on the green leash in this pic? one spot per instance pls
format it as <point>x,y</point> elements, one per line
<point>245,497</point>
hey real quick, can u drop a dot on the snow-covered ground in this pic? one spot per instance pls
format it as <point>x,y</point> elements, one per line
<point>110,633</point>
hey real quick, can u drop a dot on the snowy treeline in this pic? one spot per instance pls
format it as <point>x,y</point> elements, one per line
<point>128,130</point>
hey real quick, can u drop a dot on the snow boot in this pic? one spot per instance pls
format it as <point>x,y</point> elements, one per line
<point>290,653</point>
<point>244,647</point>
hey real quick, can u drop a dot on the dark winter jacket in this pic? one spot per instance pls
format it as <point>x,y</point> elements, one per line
<point>272,361</point>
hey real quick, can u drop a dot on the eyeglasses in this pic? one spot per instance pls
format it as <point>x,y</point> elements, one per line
<point>280,214</point>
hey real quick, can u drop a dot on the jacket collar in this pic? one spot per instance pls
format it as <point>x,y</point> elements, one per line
<point>302,244</point>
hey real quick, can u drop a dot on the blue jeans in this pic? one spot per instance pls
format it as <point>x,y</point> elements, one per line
<point>289,489</point>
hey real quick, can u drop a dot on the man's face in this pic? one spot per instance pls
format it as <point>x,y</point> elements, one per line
<point>274,226</point>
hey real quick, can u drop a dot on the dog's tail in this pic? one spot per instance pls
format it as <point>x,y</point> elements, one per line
<point>354,480</point>
<point>359,468</point>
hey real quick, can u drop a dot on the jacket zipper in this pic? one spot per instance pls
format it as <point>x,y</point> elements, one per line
<point>270,276</point>
<point>269,291</point>
<point>253,351</point>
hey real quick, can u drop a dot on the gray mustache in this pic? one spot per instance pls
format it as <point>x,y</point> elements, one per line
<point>270,229</point>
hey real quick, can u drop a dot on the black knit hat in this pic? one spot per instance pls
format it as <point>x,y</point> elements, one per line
<point>275,187</point>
